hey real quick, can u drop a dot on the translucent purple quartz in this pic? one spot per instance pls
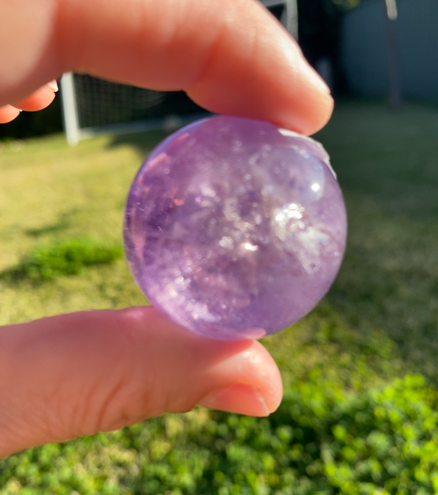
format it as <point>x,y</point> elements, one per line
<point>234,228</point>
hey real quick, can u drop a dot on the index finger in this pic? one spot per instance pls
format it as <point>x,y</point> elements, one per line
<point>230,56</point>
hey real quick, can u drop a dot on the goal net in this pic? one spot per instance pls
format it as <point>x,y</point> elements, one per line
<point>93,106</point>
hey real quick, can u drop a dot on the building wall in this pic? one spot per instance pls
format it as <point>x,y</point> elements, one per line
<point>364,54</point>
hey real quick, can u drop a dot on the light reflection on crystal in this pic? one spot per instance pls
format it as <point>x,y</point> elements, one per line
<point>250,247</point>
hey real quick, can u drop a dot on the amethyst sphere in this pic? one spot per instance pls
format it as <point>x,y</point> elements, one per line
<point>235,228</point>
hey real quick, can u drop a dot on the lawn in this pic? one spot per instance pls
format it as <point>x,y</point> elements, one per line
<point>340,364</point>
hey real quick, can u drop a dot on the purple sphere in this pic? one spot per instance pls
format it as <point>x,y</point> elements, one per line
<point>235,228</point>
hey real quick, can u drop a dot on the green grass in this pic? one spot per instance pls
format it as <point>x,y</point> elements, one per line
<point>378,322</point>
<point>388,168</point>
<point>62,258</point>
<point>52,193</point>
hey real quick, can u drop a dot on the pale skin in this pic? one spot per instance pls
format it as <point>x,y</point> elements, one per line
<point>77,374</point>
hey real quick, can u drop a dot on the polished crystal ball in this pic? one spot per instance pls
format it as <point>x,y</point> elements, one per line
<point>235,228</point>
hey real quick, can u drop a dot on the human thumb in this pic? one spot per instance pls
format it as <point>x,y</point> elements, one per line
<point>77,374</point>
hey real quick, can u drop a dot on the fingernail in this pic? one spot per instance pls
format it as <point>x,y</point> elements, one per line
<point>240,399</point>
<point>315,79</point>
<point>53,85</point>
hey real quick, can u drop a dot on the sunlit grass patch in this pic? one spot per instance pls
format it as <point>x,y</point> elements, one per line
<point>52,193</point>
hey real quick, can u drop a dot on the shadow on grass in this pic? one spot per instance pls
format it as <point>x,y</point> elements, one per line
<point>64,222</point>
<point>143,142</point>
<point>53,228</point>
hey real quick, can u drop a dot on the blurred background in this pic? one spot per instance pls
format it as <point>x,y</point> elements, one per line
<point>360,409</point>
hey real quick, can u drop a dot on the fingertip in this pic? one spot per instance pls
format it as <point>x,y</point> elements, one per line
<point>266,376</point>
<point>268,80</point>
<point>8,113</point>
<point>234,376</point>
<point>311,114</point>
<point>316,102</point>
<point>39,99</point>
<point>249,382</point>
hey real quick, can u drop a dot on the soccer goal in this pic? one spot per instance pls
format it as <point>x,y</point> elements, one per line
<point>92,106</point>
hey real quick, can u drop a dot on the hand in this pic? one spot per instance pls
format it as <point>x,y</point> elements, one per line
<point>77,374</point>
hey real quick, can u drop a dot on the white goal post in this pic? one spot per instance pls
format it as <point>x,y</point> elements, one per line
<point>91,106</point>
